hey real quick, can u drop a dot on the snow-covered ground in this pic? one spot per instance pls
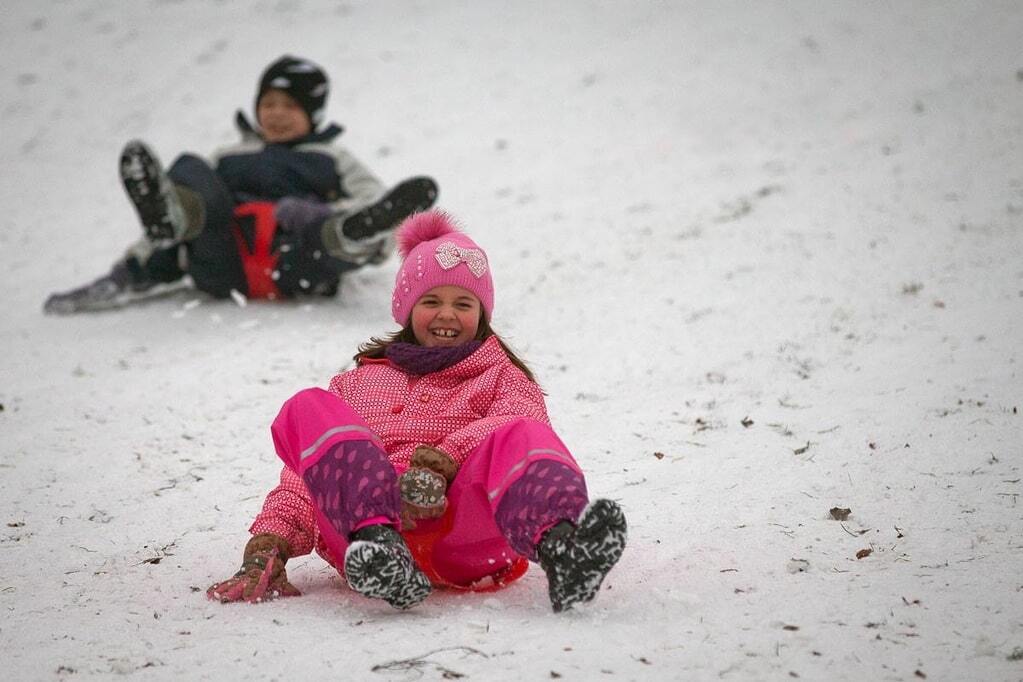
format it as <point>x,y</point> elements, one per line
<point>766,259</point>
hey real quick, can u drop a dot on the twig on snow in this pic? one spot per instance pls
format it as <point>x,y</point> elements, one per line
<point>849,531</point>
<point>418,662</point>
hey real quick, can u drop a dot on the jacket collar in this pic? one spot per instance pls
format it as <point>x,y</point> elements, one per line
<point>486,356</point>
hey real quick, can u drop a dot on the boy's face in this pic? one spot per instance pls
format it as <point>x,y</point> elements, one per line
<point>281,117</point>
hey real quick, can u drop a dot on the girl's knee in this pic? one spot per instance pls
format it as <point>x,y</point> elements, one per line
<point>310,396</point>
<point>319,403</point>
<point>528,429</point>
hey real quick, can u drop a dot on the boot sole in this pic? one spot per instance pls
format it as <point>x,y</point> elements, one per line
<point>150,191</point>
<point>406,198</point>
<point>596,546</point>
<point>382,571</point>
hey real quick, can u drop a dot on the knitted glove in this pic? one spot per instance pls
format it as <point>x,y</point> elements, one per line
<point>262,576</point>
<point>424,485</point>
<point>295,215</point>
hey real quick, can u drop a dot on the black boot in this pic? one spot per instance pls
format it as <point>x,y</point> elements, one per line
<point>367,236</point>
<point>576,558</point>
<point>378,564</point>
<point>404,199</point>
<point>153,194</point>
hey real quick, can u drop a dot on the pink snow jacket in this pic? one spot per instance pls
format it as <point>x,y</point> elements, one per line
<point>454,409</point>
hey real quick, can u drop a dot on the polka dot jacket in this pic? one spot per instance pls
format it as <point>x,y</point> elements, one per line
<point>454,409</point>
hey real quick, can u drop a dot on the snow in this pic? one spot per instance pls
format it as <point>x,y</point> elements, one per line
<point>765,259</point>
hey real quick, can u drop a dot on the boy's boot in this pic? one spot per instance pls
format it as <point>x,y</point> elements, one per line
<point>367,236</point>
<point>121,285</point>
<point>378,564</point>
<point>169,214</point>
<point>576,558</point>
<point>404,199</point>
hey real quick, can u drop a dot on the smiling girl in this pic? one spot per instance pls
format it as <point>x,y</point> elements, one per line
<point>438,440</point>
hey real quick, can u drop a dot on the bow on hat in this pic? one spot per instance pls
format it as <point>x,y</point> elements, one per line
<point>450,254</point>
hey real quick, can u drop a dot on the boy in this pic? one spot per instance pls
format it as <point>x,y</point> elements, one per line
<point>283,213</point>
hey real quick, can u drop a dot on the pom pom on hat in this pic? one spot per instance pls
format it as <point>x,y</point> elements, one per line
<point>436,253</point>
<point>422,227</point>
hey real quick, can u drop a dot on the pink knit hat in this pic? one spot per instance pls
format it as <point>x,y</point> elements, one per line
<point>434,252</point>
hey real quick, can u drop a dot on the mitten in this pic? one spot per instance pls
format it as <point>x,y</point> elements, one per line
<point>295,215</point>
<point>422,495</point>
<point>424,484</point>
<point>262,576</point>
<point>435,459</point>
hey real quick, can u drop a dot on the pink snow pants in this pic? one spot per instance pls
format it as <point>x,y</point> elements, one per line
<point>517,483</point>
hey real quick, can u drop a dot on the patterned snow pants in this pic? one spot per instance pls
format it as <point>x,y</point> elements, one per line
<point>513,486</point>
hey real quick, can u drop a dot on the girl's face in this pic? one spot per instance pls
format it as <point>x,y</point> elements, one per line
<point>446,316</point>
<point>281,117</point>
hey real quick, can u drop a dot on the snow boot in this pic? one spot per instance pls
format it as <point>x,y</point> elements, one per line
<point>113,290</point>
<point>378,564</point>
<point>576,558</point>
<point>155,198</point>
<point>367,236</point>
<point>404,199</point>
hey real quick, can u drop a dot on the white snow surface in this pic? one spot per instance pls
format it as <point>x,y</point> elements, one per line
<point>765,258</point>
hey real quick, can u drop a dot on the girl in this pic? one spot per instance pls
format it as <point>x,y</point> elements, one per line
<point>283,213</point>
<point>440,432</point>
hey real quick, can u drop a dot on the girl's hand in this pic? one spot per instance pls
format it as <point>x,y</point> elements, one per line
<point>435,459</point>
<point>424,485</point>
<point>262,576</point>
<point>422,496</point>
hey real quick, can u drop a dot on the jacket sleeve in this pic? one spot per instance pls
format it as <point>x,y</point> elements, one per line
<point>517,398</point>
<point>341,384</point>
<point>288,512</point>
<point>357,182</point>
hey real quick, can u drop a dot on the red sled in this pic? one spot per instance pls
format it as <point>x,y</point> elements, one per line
<point>259,261</point>
<point>420,541</point>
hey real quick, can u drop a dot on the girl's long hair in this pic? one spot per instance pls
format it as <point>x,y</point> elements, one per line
<point>376,348</point>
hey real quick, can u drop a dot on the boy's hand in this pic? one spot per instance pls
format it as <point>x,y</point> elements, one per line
<point>294,214</point>
<point>262,576</point>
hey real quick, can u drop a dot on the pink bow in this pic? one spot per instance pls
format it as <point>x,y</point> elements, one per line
<point>450,254</point>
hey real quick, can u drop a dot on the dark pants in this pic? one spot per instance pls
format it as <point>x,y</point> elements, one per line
<point>213,259</point>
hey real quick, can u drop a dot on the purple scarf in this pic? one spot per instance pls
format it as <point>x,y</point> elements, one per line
<point>419,360</point>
